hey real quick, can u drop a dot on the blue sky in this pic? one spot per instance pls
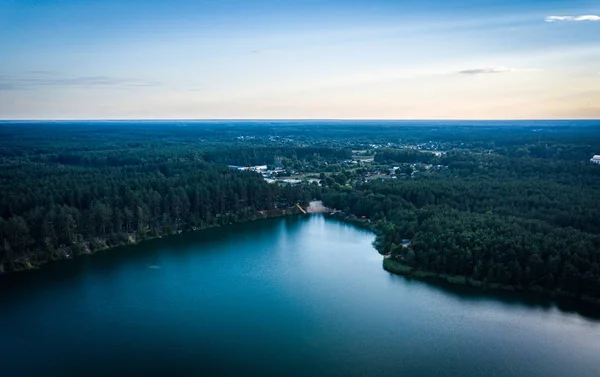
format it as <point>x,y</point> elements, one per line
<point>453,59</point>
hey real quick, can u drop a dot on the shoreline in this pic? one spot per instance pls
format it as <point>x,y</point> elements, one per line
<point>398,268</point>
<point>28,265</point>
<point>390,265</point>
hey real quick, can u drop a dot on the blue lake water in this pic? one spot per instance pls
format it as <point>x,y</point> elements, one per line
<point>295,296</point>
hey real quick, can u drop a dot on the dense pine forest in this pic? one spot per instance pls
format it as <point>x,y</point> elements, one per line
<point>524,216</point>
<point>511,205</point>
<point>71,190</point>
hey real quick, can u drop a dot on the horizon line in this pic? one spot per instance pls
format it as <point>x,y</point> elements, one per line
<point>299,120</point>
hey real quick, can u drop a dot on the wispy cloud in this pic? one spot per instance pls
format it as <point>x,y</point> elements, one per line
<point>39,79</point>
<point>485,70</point>
<point>40,72</point>
<point>494,70</point>
<point>587,17</point>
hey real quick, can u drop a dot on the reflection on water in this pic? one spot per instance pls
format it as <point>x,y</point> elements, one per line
<point>508,298</point>
<point>300,295</point>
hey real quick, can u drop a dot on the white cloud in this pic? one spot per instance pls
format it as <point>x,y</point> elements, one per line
<point>485,70</point>
<point>587,17</point>
<point>493,70</point>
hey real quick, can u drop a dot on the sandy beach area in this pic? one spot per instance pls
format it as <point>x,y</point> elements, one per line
<point>316,206</point>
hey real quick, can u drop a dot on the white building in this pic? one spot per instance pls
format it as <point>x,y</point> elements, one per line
<point>259,168</point>
<point>291,181</point>
<point>238,167</point>
<point>595,159</point>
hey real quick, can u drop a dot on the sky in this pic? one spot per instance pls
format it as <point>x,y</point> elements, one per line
<point>301,59</point>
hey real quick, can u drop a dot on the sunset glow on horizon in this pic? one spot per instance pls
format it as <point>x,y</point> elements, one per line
<point>307,59</point>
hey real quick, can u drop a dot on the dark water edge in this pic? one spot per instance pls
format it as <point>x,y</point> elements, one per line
<point>463,287</point>
<point>29,264</point>
<point>588,307</point>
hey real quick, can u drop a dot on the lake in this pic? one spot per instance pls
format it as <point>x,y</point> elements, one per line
<point>299,296</point>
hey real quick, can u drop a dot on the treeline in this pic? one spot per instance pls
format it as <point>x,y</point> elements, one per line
<point>505,221</point>
<point>516,206</point>
<point>249,156</point>
<point>405,156</point>
<point>557,204</point>
<point>48,211</point>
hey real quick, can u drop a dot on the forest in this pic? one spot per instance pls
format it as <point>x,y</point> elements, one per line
<point>498,219</point>
<point>67,191</point>
<point>515,205</point>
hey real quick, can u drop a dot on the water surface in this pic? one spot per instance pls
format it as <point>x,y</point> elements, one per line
<point>296,296</point>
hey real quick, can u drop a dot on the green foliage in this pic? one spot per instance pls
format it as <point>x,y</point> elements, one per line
<point>501,219</point>
<point>405,156</point>
<point>508,206</point>
<point>59,197</point>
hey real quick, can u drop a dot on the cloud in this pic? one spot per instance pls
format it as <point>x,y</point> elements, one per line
<point>40,72</point>
<point>485,71</point>
<point>494,70</point>
<point>587,17</point>
<point>40,79</point>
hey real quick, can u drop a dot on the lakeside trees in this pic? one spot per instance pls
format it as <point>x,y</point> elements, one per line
<point>517,206</point>
<point>45,213</point>
<point>513,221</point>
<point>60,196</point>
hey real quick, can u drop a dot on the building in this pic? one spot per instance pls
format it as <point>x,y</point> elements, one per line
<point>291,181</point>
<point>238,167</point>
<point>259,168</point>
<point>595,159</point>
